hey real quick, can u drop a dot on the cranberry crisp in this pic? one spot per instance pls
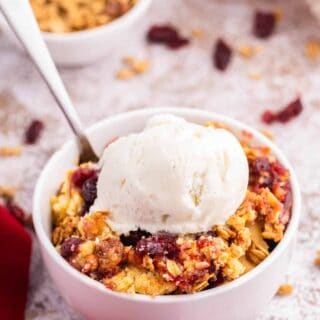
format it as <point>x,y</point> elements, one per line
<point>165,263</point>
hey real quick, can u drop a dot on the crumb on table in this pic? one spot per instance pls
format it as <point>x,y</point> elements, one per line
<point>317,259</point>
<point>132,67</point>
<point>7,151</point>
<point>7,191</point>
<point>249,51</point>
<point>197,32</point>
<point>285,289</point>
<point>312,49</point>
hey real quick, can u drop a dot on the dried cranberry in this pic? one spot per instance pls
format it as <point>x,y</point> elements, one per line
<point>207,233</point>
<point>260,175</point>
<point>33,132</point>
<point>178,43</point>
<point>268,117</point>
<point>162,34</point>
<point>167,35</point>
<point>161,244</point>
<point>292,110</point>
<point>132,238</point>
<point>81,175</point>
<point>264,24</point>
<point>260,164</point>
<point>69,247</point>
<point>89,190</point>
<point>221,55</point>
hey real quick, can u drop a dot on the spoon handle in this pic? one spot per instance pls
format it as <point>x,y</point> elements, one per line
<point>19,16</point>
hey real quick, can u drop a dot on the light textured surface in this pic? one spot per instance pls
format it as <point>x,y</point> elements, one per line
<point>183,78</point>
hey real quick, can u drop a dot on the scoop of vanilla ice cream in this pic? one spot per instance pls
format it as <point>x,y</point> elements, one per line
<point>175,176</point>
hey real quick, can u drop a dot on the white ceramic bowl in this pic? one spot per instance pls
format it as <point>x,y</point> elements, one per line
<point>240,299</point>
<point>84,47</point>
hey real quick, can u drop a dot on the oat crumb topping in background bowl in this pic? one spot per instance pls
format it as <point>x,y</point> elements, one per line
<point>62,16</point>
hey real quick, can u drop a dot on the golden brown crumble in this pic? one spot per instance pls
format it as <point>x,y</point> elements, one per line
<point>138,280</point>
<point>65,229</point>
<point>94,226</point>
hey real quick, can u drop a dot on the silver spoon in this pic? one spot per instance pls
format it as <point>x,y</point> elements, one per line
<point>20,18</point>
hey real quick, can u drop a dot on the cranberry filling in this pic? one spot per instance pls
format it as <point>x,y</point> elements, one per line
<point>133,237</point>
<point>159,245</point>
<point>70,246</point>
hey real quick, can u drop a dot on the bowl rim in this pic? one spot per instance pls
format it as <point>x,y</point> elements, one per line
<point>183,112</point>
<point>135,12</point>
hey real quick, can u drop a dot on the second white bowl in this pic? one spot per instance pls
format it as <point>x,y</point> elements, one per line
<point>87,46</point>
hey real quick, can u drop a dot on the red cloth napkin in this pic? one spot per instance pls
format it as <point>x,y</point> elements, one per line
<point>15,254</point>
